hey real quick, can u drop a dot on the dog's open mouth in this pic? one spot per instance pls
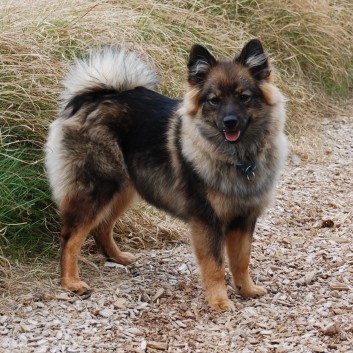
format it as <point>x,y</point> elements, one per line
<point>232,136</point>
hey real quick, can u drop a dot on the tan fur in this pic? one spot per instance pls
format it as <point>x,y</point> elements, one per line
<point>226,206</point>
<point>102,223</point>
<point>212,274</point>
<point>238,249</point>
<point>103,233</point>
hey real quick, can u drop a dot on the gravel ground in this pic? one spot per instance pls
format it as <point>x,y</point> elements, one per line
<point>302,254</point>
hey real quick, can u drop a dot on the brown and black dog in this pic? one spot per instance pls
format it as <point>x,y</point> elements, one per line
<point>211,159</point>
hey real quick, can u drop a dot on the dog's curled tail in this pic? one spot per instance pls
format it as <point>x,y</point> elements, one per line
<point>109,68</point>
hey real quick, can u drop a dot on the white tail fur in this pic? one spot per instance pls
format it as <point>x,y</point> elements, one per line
<point>111,67</point>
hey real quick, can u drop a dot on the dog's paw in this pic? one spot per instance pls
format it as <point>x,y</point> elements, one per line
<point>77,287</point>
<point>252,291</point>
<point>221,304</point>
<point>125,258</point>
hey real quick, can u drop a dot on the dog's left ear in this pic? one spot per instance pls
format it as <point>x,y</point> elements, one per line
<point>200,64</point>
<point>254,57</point>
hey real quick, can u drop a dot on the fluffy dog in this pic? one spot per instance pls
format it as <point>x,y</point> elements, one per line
<point>211,159</point>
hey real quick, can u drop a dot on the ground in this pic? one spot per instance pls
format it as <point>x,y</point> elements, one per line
<point>302,253</point>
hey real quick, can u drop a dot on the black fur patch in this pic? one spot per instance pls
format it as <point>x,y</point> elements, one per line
<point>94,96</point>
<point>242,224</point>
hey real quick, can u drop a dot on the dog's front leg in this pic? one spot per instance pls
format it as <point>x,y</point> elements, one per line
<point>238,244</point>
<point>209,253</point>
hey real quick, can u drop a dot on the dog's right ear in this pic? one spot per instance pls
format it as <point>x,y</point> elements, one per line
<point>200,63</point>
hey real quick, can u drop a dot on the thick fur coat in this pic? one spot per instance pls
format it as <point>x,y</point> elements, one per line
<point>211,159</point>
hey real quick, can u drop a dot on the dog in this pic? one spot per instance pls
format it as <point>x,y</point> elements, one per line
<point>211,159</point>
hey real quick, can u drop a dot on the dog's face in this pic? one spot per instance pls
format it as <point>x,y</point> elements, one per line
<point>228,99</point>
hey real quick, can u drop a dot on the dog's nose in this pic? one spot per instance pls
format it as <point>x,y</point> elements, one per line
<point>230,121</point>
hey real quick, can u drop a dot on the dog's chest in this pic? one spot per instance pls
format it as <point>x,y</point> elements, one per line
<point>227,207</point>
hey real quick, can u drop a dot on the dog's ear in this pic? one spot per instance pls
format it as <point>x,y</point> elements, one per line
<point>200,63</point>
<point>254,57</point>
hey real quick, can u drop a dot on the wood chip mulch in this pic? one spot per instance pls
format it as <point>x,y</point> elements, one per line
<point>302,254</point>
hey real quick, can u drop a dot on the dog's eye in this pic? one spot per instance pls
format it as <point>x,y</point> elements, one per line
<point>214,100</point>
<point>245,97</point>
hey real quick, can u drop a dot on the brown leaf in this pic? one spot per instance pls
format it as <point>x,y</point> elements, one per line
<point>327,223</point>
<point>331,329</point>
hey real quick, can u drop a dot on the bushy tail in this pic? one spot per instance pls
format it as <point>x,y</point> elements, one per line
<point>109,68</point>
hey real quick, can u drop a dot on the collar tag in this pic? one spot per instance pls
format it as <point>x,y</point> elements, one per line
<point>248,170</point>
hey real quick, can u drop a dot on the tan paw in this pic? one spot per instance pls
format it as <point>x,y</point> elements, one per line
<point>221,304</point>
<point>125,258</point>
<point>76,286</point>
<point>251,291</point>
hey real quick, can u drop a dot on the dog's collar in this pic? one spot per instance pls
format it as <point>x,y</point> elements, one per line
<point>248,170</point>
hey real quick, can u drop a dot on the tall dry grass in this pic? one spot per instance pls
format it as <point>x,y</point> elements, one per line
<point>310,41</point>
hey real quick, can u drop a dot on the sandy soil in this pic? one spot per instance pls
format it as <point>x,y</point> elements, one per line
<point>302,254</point>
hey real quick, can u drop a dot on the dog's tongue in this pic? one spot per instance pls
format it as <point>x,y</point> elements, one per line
<point>232,136</point>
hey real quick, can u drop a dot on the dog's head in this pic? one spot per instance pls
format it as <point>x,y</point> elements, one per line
<point>230,100</point>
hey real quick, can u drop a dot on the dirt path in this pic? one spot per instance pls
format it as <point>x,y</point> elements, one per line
<point>303,255</point>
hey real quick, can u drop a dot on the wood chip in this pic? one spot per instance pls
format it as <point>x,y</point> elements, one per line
<point>143,345</point>
<point>310,276</point>
<point>331,329</point>
<point>340,240</point>
<point>111,264</point>
<point>120,303</point>
<point>158,294</point>
<point>339,286</point>
<point>105,313</point>
<point>157,345</point>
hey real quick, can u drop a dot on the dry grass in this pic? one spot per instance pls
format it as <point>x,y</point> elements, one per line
<point>5,267</point>
<point>310,42</point>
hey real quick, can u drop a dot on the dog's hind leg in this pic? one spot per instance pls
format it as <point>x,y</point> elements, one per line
<point>80,215</point>
<point>211,264</point>
<point>238,243</point>
<point>103,233</point>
